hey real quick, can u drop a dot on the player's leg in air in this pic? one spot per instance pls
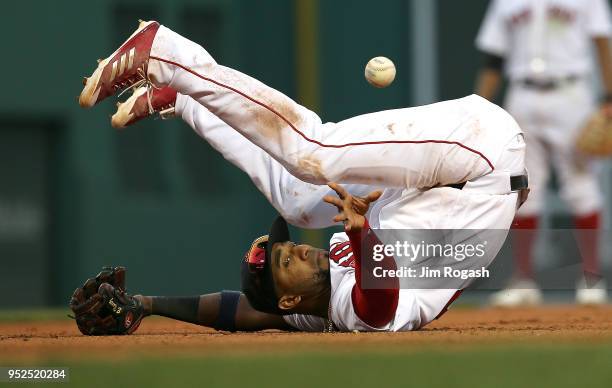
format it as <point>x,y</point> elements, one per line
<point>440,144</point>
<point>297,201</point>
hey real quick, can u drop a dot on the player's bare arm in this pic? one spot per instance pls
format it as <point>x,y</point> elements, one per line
<point>488,83</point>
<point>102,306</point>
<point>489,79</point>
<point>210,311</point>
<point>602,45</point>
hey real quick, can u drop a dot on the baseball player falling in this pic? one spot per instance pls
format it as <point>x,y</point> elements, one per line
<point>450,165</point>
<point>543,47</point>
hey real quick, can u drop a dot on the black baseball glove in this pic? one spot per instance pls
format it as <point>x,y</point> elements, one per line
<point>102,306</point>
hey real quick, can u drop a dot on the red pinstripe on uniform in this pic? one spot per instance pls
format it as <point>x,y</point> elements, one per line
<point>300,133</point>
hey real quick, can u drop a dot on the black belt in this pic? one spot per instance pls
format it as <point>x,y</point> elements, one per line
<point>517,183</point>
<point>548,84</point>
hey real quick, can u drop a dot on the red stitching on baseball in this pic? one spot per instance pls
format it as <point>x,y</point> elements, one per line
<point>312,140</point>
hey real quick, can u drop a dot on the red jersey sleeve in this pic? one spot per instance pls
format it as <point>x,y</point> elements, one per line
<point>375,307</point>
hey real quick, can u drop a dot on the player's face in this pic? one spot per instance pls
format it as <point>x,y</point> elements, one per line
<point>299,269</point>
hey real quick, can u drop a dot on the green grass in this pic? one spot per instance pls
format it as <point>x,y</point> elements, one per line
<point>34,315</point>
<point>508,366</point>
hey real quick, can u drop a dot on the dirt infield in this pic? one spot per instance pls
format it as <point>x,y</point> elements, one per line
<point>460,328</point>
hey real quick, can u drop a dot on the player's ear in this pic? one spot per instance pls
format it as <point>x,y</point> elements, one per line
<point>288,302</point>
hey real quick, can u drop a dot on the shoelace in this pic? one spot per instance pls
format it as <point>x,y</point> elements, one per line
<point>136,80</point>
<point>142,80</point>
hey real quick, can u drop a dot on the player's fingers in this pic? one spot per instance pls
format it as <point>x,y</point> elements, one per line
<point>340,217</point>
<point>334,187</point>
<point>352,221</point>
<point>373,196</point>
<point>359,203</point>
<point>337,202</point>
<point>338,189</point>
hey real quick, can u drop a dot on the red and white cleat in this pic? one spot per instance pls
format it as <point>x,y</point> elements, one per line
<point>126,67</point>
<point>145,102</point>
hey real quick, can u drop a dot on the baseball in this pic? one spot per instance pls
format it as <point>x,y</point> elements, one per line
<point>380,72</point>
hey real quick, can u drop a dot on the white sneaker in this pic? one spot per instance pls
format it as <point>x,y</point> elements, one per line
<point>523,292</point>
<point>595,294</point>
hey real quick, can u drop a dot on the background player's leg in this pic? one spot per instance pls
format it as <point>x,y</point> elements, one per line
<point>580,190</point>
<point>301,203</point>
<point>522,289</point>
<point>528,216</point>
<point>579,184</point>
<point>294,136</point>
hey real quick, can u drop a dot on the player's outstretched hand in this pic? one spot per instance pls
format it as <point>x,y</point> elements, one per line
<point>351,209</point>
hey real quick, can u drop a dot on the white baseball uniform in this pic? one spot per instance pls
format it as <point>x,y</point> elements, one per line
<point>550,40</point>
<point>409,153</point>
<point>416,307</point>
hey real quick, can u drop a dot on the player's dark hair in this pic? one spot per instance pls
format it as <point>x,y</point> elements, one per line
<point>262,297</point>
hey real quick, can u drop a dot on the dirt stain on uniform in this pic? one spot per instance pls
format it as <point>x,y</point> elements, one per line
<point>311,167</point>
<point>390,128</point>
<point>305,219</point>
<point>476,128</point>
<point>361,178</point>
<point>275,114</point>
<point>270,110</point>
<point>293,193</point>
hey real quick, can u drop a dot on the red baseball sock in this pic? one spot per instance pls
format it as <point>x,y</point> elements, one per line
<point>522,244</point>
<point>587,235</point>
